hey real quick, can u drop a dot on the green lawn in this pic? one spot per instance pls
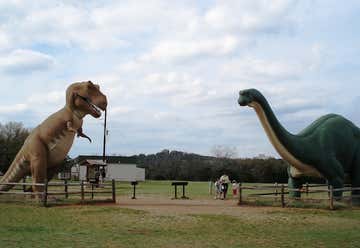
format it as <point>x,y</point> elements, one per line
<point>24,225</point>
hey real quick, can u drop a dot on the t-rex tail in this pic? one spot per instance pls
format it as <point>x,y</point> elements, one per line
<point>18,169</point>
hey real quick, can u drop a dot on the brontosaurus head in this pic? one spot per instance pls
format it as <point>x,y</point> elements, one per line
<point>86,98</point>
<point>246,97</point>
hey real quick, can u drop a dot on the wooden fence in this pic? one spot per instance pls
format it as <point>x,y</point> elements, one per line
<point>282,191</point>
<point>65,188</point>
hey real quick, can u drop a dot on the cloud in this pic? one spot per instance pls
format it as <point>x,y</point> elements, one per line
<point>250,16</point>
<point>4,41</point>
<point>184,49</point>
<point>25,61</point>
<point>262,70</point>
<point>13,108</point>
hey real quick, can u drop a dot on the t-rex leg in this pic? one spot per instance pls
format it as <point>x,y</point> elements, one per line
<point>51,172</point>
<point>38,163</point>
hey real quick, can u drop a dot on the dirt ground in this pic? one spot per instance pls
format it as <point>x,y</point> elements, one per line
<point>163,206</point>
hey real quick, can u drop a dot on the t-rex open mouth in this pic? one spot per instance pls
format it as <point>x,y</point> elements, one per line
<point>96,109</point>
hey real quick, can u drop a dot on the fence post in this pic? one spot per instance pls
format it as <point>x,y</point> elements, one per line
<point>331,198</point>
<point>351,196</point>
<point>113,191</point>
<point>307,188</point>
<point>66,189</point>
<point>92,191</point>
<point>45,193</point>
<point>282,196</point>
<point>24,186</point>
<point>240,194</point>
<point>82,190</point>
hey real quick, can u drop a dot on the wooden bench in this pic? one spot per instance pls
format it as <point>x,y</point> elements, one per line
<point>183,184</point>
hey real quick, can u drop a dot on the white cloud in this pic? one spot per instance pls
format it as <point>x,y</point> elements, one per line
<point>25,61</point>
<point>13,108</point>
<point>4,40</point>
<point>256,69</point>
<point>183,49</point>
<point>53,97</point>
<point>250,16</point>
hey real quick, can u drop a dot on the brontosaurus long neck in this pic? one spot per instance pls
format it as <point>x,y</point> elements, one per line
<point>271,124</point>
<point>285,143</point>
<point>289,146</point>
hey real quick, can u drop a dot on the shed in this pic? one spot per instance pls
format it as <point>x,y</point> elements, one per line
<point>91,168</point>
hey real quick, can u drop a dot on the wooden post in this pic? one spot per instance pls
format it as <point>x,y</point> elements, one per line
<point>24,186</point>
<point>113,191</point>
<point>276,191</point>
<point>331,198</point>
<point>66,188</point>
<point>175,191</point>
<point>92,191</point>
<point>240,194</point>
<point>307,188</point>
<point>45,193</point>
<point>282,196</point>
<point>82,190</point>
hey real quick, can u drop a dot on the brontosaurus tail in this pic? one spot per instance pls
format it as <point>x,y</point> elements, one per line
<point>18,169</point>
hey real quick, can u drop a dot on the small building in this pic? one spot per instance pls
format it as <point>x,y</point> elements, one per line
<point>119,168</point>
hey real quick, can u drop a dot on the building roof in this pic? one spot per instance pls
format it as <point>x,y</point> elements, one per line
<point>109,159</point>
<point>92,162</point>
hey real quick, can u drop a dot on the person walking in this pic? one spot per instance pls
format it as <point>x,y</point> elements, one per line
<point>224,179</point>
<point>235,188</point>
<point>217,185</point>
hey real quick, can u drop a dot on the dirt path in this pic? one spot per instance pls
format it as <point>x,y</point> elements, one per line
<point>163,206</point>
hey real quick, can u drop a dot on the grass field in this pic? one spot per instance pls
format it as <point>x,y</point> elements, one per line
<point>23,225</point>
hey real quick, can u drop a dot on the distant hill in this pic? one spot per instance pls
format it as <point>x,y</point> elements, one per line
<point>176,165</point>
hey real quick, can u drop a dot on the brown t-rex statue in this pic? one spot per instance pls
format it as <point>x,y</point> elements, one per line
<point>48,144</point>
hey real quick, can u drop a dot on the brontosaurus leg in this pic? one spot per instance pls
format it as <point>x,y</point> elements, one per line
<point>294,183</point>
<point>355,180</point>
<point>333,171</point>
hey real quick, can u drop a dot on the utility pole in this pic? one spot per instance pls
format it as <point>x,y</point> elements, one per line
<point>105,133</point>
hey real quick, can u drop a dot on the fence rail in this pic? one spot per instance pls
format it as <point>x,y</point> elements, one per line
<point>103,188</point>
<point>282,190</point>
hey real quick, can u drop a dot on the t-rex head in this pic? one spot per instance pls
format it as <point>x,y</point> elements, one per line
<point>246,97</point>
<point>86,98</point>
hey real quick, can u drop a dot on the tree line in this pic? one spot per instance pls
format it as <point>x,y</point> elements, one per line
<point>177,165</point>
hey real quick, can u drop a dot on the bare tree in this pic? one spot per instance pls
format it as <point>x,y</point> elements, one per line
<point>223,151</point>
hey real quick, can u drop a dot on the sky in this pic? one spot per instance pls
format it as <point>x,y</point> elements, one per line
<point>172,70</point>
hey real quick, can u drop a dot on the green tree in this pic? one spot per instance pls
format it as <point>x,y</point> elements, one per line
<point>12,137</point>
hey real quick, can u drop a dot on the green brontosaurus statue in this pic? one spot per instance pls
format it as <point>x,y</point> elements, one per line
<point>328,148</point>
